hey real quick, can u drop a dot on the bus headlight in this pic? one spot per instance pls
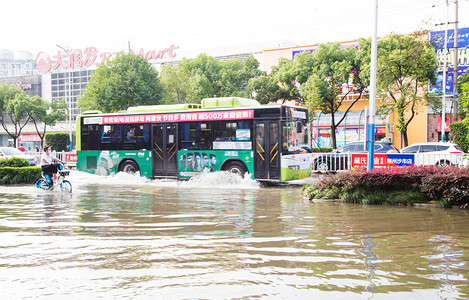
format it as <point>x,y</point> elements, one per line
<point>294,168</point>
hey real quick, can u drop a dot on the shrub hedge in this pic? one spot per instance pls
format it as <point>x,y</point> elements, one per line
<point>16,162</point>
<point>58,140</point>
<point>460,132</point>
<point>17,171</point>
<point>446,186</point>
<point>321,149</point>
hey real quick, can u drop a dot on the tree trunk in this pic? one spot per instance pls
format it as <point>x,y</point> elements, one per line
<point>333,128</point>
<point>406,141</point>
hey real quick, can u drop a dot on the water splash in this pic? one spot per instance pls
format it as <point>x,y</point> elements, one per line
<point>206,179</point>
<point>223,180</point>
<point>213,180</point>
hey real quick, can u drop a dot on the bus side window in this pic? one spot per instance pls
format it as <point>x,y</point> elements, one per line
<point>106,134</point>
<point>89,137</point>
<point>110,137</point>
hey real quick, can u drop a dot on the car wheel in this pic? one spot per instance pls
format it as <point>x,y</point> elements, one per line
<point>444,163</point>
<point>323,166</point>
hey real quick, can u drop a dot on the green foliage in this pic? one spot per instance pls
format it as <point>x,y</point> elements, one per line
<point>14,105</point>
<point>46,114</point>
<point>264,89</point>
<point>464,99</point>
<point>463,79</point>
<point>17,109</point>
<point>191,80</point>
<point>406,65</point>
<point>60,141</point>
<point>176,81</point>
<point>321,75</point>
<point>460,133</point>
<point>127,80</point>
<point>24,175</point>
<point>7,93</point>
<point>400,185</point>
<point>321,149</point>
<point>15,162</point>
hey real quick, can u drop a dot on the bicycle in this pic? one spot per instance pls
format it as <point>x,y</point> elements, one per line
<point>46,183</point>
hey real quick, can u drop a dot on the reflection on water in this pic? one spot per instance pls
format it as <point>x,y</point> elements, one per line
<point>222,237</point>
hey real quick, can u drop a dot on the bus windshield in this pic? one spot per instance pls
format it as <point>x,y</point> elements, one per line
<point>295,135</point>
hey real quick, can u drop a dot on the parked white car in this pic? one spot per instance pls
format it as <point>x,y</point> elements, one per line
<point>9,152</point>
<point>437,153</point>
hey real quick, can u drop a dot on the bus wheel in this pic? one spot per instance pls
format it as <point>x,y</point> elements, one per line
<point>129,167</point>
<point>236,168</point>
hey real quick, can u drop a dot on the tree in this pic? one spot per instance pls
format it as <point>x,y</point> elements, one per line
<point>176,81</point>
<point>327,70</point>
<point>464,100</point>
<point>46,114</point>
<point>16,112</point>
<point>191,80</point>
<point>405,67</point>
<point>463,81</point>
<point>203,75</point>
<point>58,140</point>
<point>264,89</point>
<point>127,80</point>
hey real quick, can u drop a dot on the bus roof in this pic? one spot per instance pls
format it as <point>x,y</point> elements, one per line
<point>207,103</point>
<point>228,102</point>
<point>169,107</point>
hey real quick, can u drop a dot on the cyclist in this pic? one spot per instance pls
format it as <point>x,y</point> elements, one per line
<point>48,163</point>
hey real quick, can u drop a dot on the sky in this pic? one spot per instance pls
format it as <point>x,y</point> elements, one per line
<point>35,26</point>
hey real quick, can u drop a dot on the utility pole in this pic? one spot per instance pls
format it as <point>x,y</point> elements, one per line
<point>371,124</point>
<point>455,63</point>
<point>443,86</point>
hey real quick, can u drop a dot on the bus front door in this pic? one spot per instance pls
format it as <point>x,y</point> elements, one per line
<point>266,150</point>
<point>165,150</point>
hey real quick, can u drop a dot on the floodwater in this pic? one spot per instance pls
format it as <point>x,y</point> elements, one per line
<point>221,237</point>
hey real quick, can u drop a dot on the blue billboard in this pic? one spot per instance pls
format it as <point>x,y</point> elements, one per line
<point>437,39</point>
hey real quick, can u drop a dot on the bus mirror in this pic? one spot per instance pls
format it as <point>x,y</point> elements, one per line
<point>299,127</point>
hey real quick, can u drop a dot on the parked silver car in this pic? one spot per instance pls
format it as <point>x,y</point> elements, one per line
<point>436,153</point>
<point>9,152</point>
<point>340,159</point>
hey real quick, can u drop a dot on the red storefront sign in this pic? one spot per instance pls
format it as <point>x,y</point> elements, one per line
<point>24,138</point>
<point>71,157</point>
<point>382,160</point>
<point>449,119</point>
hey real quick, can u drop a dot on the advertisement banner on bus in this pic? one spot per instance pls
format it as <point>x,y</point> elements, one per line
<point>173,117</point>
<point>383,160</point>
<point>192,163</point>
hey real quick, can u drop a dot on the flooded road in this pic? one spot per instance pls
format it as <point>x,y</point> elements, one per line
<point>221,237</point>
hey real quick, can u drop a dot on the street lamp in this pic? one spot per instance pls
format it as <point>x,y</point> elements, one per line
<point>69,97</point>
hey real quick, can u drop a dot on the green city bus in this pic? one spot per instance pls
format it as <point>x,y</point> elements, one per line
<point>270,142</point>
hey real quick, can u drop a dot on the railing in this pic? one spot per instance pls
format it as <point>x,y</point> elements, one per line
<point>70,158</point>
<point>333,162</point>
